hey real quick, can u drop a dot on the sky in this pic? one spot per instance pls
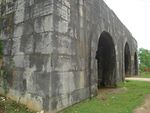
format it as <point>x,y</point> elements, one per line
<point>135,15</point>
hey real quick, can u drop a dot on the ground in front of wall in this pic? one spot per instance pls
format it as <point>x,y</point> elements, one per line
<point>9,106</point>
<point>127,98</point>
<point>145,108</point>
<point>145,75</point>
<point>124,99</point>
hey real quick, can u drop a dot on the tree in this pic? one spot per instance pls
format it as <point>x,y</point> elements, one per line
<point>144,57</point>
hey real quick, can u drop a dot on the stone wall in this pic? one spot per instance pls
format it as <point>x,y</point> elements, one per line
<point>50,48</point>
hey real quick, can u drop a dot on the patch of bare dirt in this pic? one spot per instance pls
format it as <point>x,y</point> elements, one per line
<point>138,79</point>
<point>145,108</point>
<point>2,109</point>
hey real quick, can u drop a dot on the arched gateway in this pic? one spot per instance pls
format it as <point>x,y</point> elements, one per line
<point>135,64</point>
<point>127,60</point>
<point>106,61</point>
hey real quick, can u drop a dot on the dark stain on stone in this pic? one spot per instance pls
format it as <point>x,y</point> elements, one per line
<point>46,100</point>
<point>24,85</point>
<point>27,42</point>
<point>43,82</point>
<point>39,60</point>
<point>55,84</point>
<point>28,27</point>
<point>54,104</point>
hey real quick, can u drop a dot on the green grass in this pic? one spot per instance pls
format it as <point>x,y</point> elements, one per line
<point>145,74</point>
<point>123,102</point>
<point>9,106</point>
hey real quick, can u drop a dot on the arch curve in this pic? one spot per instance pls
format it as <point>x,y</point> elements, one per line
<point>127,60</point>
<point>106,61</point>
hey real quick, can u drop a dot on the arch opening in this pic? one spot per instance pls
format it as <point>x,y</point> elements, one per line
<point>127,60</point>
<point>106,61</point>
<point>135,64</point>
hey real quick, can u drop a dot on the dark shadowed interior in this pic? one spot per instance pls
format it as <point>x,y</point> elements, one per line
<point>127,60</point>
<point>135,64</point>
<point>106,60</point>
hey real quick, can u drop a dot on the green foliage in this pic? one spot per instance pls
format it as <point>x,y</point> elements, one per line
<point>1,49</point>
<point>5,73</point>
<point>145,74</point>
<point>9,106</point>
<point>144,56</point>
<point>123,102</point>
<point>1,25</point>
<point>7,26</point>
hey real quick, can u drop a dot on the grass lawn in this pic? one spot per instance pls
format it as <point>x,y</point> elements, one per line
<point>122,102</point>
<point>145,75</point>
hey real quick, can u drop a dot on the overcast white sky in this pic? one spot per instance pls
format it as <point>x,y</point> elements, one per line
<point>135,15</point>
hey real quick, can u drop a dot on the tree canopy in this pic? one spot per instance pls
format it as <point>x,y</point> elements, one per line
<point>144,57</point>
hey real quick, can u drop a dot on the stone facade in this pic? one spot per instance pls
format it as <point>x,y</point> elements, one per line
<point>59,52</point>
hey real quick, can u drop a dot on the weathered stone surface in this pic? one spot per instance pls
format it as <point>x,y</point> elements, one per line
<point>58,51</point>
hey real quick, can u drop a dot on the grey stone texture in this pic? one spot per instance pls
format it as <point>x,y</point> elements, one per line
<point>50,49</point>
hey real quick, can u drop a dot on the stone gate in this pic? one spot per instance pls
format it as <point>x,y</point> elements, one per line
<point>59,52</point>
